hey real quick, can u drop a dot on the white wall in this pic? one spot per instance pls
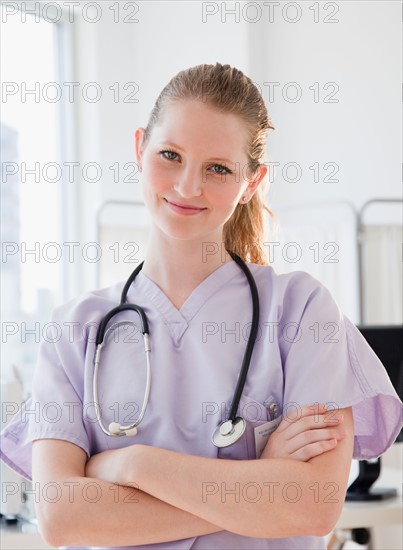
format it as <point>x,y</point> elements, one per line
<point>362,132</point>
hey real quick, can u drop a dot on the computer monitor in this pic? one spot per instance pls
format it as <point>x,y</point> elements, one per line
<point>387,343</point>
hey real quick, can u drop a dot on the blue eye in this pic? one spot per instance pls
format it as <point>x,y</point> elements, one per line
<point>222,173</point>
<point>223,170</point>
<point>168,151</point>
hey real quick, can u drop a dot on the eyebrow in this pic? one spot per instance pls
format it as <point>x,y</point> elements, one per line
<point>175,146</point>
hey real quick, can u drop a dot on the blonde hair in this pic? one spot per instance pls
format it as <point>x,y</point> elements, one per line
<point>229,90</point>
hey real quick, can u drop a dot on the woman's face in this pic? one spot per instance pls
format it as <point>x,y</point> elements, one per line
<point>194,170</point>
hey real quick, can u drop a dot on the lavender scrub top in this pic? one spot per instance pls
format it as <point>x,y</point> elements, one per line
<point>306,352</point>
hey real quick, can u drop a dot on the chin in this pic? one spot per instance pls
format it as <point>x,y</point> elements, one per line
<point>180,233</point>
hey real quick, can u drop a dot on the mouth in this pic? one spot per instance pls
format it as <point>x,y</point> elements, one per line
<point>184,208</point>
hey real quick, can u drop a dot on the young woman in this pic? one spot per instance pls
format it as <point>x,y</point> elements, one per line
<point>203,471</point>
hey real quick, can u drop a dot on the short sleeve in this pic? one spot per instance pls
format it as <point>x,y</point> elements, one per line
<point>327,360</point>
<point>54,410</point>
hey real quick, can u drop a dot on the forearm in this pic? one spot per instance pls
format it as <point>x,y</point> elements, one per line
<point>258,498</point>
<point>92,512</point>
<point>268,498</point>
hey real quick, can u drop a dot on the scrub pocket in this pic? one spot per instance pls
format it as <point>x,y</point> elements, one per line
<point>255,414</point>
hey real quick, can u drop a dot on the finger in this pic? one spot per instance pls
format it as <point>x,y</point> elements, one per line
<point>314,449</point>
<point>295,413</point>
<point>309,422</point>
<point>314,436</point>
<point>316,410</point>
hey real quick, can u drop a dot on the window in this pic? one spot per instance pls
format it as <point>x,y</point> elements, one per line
<point>34,142</point>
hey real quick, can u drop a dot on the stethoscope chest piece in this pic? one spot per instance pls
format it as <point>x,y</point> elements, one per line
<point>227,433</point>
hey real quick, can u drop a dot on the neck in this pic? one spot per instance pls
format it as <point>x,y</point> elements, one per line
<point>177,266</point>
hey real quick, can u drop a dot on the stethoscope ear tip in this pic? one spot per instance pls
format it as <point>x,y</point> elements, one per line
<point>132,432</point>
<point>116,429</point>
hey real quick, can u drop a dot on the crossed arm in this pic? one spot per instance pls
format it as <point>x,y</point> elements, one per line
<point>190,495</point>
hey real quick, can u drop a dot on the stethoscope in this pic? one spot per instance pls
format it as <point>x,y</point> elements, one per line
<point>227,432</point>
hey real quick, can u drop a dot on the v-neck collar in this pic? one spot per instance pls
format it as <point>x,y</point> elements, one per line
<point>178,319</point>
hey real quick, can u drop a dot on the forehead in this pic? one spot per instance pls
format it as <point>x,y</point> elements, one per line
<point>196,124</point>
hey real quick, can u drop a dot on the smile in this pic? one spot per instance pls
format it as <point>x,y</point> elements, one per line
<point>187,210</point>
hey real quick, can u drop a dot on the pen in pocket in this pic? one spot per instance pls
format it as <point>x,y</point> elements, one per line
<point>272,407</point>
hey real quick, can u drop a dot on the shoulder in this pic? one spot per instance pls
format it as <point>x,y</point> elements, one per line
<point>75,320</point>
<point>294,296</point>
<point>284,281</point>
<point>89,305</point>
<point>291,292</point>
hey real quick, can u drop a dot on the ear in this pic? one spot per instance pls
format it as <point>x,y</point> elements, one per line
<point>255,181</point>
<point>138,142</point>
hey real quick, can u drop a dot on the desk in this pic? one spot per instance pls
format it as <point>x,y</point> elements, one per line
<point>21,536</point>
<point>379,514</point>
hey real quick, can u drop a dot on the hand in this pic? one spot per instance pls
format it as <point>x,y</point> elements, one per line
<point>313,432</point>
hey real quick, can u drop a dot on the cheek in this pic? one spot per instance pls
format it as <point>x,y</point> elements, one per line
<point>225,197</point>
<point>154,181</point>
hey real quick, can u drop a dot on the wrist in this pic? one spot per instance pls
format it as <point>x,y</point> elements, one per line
<point>120,466</point>
<point>137,463</point>
<point>132,464</point>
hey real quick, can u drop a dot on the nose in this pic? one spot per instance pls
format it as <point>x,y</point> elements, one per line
<point>188,183</point>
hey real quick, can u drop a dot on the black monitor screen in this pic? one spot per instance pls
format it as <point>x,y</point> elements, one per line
<point>387,343</point>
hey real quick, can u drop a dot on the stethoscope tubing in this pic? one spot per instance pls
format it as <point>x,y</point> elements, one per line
<point>251,340</point>
<point>232,423</point>
<point>97,362</point>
